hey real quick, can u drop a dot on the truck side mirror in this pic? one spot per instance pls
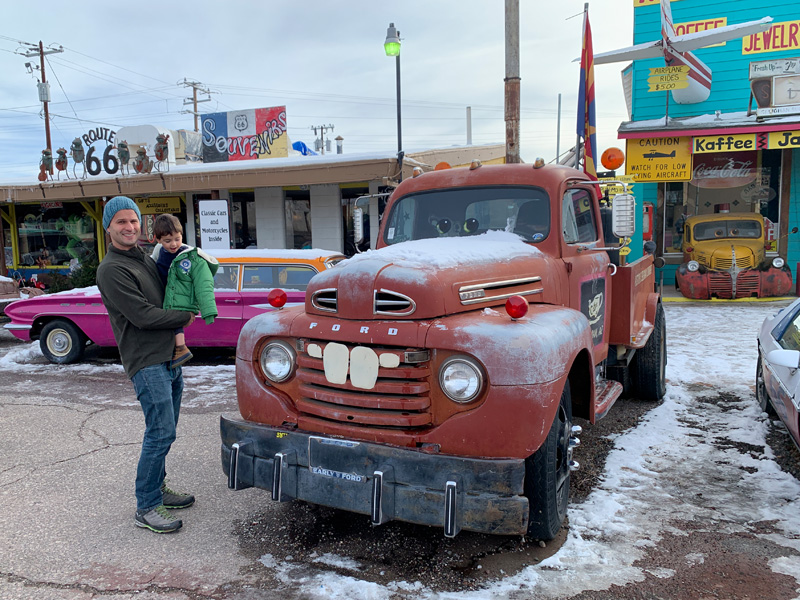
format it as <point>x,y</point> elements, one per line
<point>358,225</point>
<point>623,215</point>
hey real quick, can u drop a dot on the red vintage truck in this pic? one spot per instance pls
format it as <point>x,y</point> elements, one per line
<point>434,380</point>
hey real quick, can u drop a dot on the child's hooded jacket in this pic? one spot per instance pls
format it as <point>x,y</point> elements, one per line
<point>190,281</point>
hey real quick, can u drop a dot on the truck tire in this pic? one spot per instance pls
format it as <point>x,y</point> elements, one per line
<point>547,475</point>
<point>650,363</point>
<point>62,342</point>
<point>762,396</point>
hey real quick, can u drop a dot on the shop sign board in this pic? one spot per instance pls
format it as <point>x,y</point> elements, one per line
<point>215,230</point>
<point>668,78</point>
<point>245,134</point>
<point>159,206</point>
<point>778,38</point>
<point>614,188</point>
<point>776,140</point>
<point>659,159</point>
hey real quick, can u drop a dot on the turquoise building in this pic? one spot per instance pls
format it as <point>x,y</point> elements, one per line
<point>735,147</point>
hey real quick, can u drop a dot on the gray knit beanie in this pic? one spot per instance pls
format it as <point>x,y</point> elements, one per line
<point>118,203</point>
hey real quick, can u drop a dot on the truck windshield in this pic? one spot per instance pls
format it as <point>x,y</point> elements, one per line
<point>470,211</point>
<point>742,228</point>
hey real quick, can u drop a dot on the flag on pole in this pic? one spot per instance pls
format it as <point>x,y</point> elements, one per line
<point>587,123</point>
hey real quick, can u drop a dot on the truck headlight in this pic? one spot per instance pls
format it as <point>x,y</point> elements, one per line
<point>277,361</point>
<point>461,379</point>
<point>693,266</point>
<point>778,262</point>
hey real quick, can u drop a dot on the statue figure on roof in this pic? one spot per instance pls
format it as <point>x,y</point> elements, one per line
<point>61,162</point>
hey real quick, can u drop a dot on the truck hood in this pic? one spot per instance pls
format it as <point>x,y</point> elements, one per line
<point>426,279</point>
<point>719,255</point>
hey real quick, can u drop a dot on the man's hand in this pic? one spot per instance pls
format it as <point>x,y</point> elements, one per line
<point>191,319</point>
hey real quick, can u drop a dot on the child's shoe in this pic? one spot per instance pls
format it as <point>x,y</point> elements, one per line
<point>181,355</point>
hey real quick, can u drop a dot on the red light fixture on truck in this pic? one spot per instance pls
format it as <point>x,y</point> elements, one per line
<point>276,298</point>
<point>516,307</point>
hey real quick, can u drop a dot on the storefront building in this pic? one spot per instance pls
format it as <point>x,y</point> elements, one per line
<point>737,150</point>
<point>289,202</point>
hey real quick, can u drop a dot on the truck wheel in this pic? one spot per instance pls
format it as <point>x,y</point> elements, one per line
<point>650,363</point>
<point>761,390</point>
<point>62,342</point>
<point>547,475</point>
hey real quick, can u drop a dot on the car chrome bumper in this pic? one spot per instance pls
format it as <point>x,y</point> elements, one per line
<point>385,482</point>
<point>16,326</point>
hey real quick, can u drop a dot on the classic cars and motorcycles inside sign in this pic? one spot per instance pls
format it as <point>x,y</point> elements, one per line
<point>245,134</point>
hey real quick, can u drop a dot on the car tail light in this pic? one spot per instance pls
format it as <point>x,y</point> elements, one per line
<point>276,298</point>
<point>689,249</point>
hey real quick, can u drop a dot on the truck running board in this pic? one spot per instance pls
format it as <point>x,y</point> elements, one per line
<point>606,393</point>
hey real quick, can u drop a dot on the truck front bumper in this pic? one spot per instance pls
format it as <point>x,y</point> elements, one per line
<point>385,482</point>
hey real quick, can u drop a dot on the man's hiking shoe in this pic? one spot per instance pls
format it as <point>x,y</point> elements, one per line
<point>173,499</point>
<point>159,520</point>
<point>181,356</point>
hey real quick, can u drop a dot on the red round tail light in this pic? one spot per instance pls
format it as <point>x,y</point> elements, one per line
<point>689,249</point>
<point>516,307</point>
<point>276,298</point>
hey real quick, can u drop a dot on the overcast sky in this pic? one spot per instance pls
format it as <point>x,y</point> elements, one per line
<point>323,60</point>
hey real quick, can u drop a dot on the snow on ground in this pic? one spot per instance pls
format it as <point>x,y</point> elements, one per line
<point>681,462</point>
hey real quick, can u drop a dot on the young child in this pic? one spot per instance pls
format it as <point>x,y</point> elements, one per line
<point>188,276</point>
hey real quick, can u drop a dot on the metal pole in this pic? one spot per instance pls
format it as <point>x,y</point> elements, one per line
<point>469,126</point>
<point>399,122</point>
<point>512,82</point>
<point>194,107</point>
<point>558,132</point>
<point>46,111</point>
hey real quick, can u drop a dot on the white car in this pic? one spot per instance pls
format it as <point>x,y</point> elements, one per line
<point>778,370</point>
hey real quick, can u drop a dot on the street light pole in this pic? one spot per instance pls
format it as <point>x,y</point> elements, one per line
<point>392,48</point>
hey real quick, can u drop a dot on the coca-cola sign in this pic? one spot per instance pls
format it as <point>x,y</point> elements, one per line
<point>724,170</point>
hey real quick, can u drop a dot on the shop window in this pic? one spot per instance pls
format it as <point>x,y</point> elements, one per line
<point>243,218</point>
<point>55,234</point>
<point>298,218</point>
<point>736,182</point>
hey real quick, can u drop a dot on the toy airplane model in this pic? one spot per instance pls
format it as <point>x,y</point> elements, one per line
<point>676,50</point>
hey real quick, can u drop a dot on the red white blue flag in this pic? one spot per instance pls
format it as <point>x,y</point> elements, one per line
<point>587,123</point>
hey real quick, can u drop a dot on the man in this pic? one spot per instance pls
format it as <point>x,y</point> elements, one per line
<point>133,294</point>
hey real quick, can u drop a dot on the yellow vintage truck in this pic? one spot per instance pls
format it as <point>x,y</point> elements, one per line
<point>724,256</point>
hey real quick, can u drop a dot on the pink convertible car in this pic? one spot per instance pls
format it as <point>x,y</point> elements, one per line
<point>66,322</point>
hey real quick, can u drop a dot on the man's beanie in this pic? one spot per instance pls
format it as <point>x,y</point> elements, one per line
<point>118,203</point>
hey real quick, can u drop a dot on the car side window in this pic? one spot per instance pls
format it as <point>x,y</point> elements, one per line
<point>790,340</point>
<point>258,277</point>
<point>295,277</point>
<point>577,218</point>
<point>225,279</point>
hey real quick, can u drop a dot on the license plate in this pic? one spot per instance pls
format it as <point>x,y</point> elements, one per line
<point>341,459</point>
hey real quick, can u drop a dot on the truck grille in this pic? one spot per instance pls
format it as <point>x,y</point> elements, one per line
<point>747,284</point>
<point>400,397</point>
<point>325,300</point>
<point>726,263</point>
<point>719,285</point>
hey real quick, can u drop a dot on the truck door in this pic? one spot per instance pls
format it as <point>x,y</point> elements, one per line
<point>588,268</point>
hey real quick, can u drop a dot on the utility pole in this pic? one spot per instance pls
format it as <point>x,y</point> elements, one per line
<point>512,81</point>
<point>322,130</point>
<point>196,87</point>
<point>44,87</point>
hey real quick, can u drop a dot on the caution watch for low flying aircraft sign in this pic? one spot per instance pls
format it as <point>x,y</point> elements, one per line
<point>663,79</point>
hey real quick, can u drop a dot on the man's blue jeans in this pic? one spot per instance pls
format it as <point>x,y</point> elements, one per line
<point>159,390</point>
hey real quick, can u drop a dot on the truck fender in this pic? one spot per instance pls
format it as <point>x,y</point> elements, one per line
<point>651,306</point>
<point>536,349</point>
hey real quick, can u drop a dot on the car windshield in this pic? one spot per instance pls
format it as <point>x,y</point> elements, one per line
<point>740,228</point>
<point>470,211</point>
